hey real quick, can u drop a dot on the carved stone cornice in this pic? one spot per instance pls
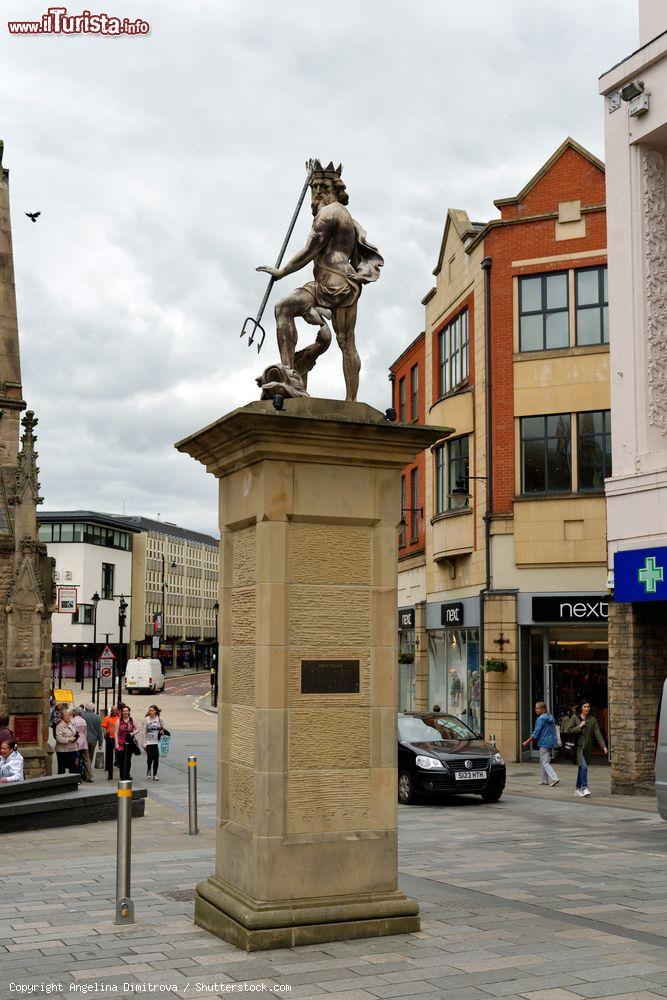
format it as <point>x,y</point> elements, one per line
<point>655,253</point>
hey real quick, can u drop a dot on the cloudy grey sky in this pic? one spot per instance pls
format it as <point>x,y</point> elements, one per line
<point>167,167</point>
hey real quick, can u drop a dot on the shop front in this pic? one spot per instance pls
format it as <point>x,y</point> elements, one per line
<point>454,677</point>
<point>564,657</point>
<point>406,660</point>
<point>72,662</point>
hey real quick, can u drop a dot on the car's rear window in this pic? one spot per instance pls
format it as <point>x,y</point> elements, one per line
<point>411,730</point>
<point>451,728</point>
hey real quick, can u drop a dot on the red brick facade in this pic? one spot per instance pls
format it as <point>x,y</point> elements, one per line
<point>572,177</point>
<point>401,371</point>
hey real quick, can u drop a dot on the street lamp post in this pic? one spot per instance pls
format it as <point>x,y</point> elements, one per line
<point>122,608</point>
<point>163,627</point>
<point>96,691</point>
<point>216,608</point>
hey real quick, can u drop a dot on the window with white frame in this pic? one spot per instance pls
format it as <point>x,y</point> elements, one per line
<point>452,469</point>
<point>414,392</point>
<point>414,505</point>
<point>453,353</point>
<point>402,534</point>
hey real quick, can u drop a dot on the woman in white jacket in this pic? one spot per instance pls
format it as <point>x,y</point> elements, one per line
<point>151,730</point>
<point>11,763</point>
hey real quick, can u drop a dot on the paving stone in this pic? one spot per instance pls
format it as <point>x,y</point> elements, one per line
<point>553,994</point>
<point>516,986</point>
<point>612,987</point>
<point>413,989</point>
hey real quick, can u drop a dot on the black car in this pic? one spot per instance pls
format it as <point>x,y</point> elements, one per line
<point>439,754</point>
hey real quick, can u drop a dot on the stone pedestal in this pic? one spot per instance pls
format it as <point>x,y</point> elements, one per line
<point>307,806</point>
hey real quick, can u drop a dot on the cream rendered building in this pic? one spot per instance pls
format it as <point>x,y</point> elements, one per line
<point>635,116</point>
<point>175,571</point>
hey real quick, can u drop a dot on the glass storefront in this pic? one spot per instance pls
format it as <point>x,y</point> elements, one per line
<point>563,665</point>
<point>453,673</point>
<point>406,670</point>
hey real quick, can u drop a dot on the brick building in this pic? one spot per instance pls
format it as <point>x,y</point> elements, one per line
<point>407,376</point>
<point>516,354</point>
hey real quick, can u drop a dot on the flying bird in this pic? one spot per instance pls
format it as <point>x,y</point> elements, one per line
<point>33,216</point>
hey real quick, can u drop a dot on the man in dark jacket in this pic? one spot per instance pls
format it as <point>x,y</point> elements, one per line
<point>586,728</point>
<point>544,734</point>
<point>95,731</point>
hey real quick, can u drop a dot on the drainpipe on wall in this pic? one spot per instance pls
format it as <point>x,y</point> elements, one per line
<point>486,267</point>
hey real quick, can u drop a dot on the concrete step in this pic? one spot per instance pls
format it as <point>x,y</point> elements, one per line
<point>34,788</point>
<point>87,805</point>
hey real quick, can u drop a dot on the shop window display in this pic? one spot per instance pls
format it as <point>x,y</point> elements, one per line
<point>454,675</point>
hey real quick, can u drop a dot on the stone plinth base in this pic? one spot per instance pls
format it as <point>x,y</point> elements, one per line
<point>306,844</point>
<point>256,926</point>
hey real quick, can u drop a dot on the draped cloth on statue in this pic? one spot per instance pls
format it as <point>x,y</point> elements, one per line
<point>335,288</point>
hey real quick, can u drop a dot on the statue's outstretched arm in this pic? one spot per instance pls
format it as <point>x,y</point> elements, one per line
<point>317,239</point>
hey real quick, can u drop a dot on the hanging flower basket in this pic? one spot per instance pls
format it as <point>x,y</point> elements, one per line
<point>406,657</point>
<point>494,665</point>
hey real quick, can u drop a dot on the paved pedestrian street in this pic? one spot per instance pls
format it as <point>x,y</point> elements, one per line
<point>536,897</point>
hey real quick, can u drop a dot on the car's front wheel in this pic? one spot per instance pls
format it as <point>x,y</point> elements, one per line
<point>406,788</point>
<point>492,794</point>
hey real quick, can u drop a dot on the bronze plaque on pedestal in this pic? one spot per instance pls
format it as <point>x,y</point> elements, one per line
<point>26,728</point>
<point>329,676</point>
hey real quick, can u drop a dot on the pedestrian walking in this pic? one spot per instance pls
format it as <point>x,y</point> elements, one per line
<point>546,737</point>
<point>125,743</point>
<point>109,723</point>
<point>11,762</point>
<point>81,727</point>
<point>95,731</point>
<point>66,745</point>
<point>586,728</point>
<point>151,731</point>
<point>5,732</point>
<point>55,715</point>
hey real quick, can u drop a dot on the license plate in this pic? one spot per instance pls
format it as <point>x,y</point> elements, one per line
<point>470,775</point>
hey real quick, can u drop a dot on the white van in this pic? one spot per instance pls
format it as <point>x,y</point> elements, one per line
<point>143,675</point>
<point>661,755</point>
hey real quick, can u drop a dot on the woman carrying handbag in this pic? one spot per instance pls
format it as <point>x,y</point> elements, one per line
<point>125,744</point>
<point>151,731</point>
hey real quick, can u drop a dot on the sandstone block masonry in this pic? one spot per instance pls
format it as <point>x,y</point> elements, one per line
<point>26,572</point>
<point>637,672</point>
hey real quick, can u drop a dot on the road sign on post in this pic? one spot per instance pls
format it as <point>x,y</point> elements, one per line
<point>106,675</point>
<point>106,668</point>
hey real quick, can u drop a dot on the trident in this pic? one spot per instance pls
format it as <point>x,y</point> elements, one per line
<point>256,322</point>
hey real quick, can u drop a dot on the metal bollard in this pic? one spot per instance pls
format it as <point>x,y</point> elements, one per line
<point>124,905</point>
<point>192,795</point>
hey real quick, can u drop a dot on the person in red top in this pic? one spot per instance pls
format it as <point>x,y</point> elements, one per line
<point>125,728</point>
<point>109,723</point>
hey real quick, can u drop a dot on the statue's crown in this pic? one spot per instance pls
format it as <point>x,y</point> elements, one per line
<point>316,170</point>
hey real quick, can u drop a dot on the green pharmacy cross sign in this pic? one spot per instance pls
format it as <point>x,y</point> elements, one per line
<point>641,574</point>
<point>650,575</point>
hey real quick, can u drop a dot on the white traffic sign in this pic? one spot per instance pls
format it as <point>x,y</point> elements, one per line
<point>107,654</point>
<point>106,676</point>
